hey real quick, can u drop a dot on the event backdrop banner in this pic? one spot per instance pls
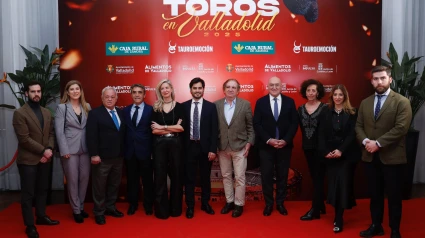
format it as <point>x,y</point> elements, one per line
<point>120,42</point>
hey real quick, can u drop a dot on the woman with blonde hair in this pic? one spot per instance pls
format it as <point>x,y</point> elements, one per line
<point>337,144</point>
<point>70,128</point>
<point>167,126</point>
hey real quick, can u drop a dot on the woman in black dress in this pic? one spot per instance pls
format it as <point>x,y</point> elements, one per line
<point>309,115</point>
<point>167,126</point>
<point>338,145</point>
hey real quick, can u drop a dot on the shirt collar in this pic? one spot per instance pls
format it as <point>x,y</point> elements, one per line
<point>233,102</point>
<point>140,105</point>
<point>109,110</point>
<point>272,98</point>
<point>200,101</point>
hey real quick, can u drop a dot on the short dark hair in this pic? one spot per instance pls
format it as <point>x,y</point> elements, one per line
<point>195,81</point>
<point>308,82</point>
<point>138,85</point>
<point>381,68</point>
<point>31,83</point>
<point>225,83</point>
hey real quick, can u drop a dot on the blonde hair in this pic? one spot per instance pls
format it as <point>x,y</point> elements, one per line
<point>346,105</point>
<point>82,99</point>
<point>157,106</point>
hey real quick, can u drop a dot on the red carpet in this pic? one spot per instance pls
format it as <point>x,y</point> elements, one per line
<point>251,224</point>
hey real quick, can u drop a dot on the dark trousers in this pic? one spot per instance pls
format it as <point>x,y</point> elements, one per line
<point>383,177</point>
<point>168,161</point>
<point>279,160</point>
<point>317,169</point>
<point>194,158</point>
<point>137,169</point>
<point>106,180</point>
<point>34,184</point>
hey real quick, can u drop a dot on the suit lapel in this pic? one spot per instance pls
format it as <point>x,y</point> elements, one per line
<point>220,109</point>
<point>32,116</point>
<point>46,115</point>
<point>72,113</point>
<point>238,108</point>
<point>108,115</point>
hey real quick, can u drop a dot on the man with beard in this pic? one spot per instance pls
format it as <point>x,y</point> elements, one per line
<point>382,124</point>
<point>34,129</point>
<point>104,135</point>
<point>200,144</point>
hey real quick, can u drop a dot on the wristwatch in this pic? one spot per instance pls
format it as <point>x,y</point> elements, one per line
<point>166,127</point>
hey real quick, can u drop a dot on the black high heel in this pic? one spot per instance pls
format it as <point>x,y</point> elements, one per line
<point>338,227</point>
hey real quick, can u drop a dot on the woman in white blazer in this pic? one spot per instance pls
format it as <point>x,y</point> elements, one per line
<point>70,128</point>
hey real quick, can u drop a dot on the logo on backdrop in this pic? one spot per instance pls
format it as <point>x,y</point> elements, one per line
<point>127,48</point>
<point>200,68</point>
<point>121,89</point>
<point>253,47</point>
<point>322,69</point>
<point>240,68</point>
<point>158,68</point>
<point>254,16</point>
<point>307,67</point>
<point>247,88</point>
<point>120,69</point>
<point>313,48</point>
<point>190,48</point>
<point>277,68</point>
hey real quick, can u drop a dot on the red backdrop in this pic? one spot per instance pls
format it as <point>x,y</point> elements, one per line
<point>349,29</point>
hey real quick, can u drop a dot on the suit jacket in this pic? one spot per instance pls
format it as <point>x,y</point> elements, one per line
<point>103,138</point>
<point>389,128</point>
<point>208,126</point>
<point>347,144</point>
<point>138,140</point>
<point>73,137</point>
<point>265,124</point>
<point>32,140</point>
<point>240,131</point>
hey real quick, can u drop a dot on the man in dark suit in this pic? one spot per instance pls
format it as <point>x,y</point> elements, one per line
<point>200,144</point>
<point>33,126</point>
<point>236,135</point>
<point>105,133</point>
<point>275,123</point>
<point>138,150</point>
<point>382,124</point>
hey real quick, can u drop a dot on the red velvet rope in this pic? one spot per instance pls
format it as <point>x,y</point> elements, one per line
<point>10,163</point>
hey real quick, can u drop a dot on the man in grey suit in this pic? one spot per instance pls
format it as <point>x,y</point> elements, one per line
<point>236,135</point>
<point>382,124</point>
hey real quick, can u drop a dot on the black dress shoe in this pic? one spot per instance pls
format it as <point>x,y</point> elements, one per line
<point>31,232</point>
<point>114,213</point>
<point>78,218</point>
<point>227,208</point>
<point>395,234</point>
<point>149,212</point>
<point>131,210</point>
<point>268,210</point>
<point>207,208</point>
<point>282,210</point>
<point>84,214</point>
<point>373,230</point>
<point>100,220</point>
<point>238,211</point>
<point>46,221</point>
<point>310,215</point>
<point>189,212</point>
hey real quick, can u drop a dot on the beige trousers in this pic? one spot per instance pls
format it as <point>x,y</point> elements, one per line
<point>235,159</point>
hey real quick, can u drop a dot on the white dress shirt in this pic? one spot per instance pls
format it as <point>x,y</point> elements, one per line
<point>279,103</point>
<point>116,114</point>
<point>139,115</point>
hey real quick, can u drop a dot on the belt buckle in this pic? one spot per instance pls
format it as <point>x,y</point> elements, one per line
<point>168,135</point>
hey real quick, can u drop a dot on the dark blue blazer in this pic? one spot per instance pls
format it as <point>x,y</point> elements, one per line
<point>265,124</point>
<point>208,126</point>
<point>102,137</point>
<point>138,140</point>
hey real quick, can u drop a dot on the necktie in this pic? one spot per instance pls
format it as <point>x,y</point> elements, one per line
<point>378,105</point>
<point>196,122</point>
<point>135,115</point>
<point>276,116</point>
<point>114,118</point>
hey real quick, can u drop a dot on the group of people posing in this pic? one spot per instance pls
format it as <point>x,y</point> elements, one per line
<point>173,140</point>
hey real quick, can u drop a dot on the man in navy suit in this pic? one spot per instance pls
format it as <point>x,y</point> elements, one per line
<point>275,123</point>
<point>104,136</point>
<point>200,144</point>
<point>137,150</point>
